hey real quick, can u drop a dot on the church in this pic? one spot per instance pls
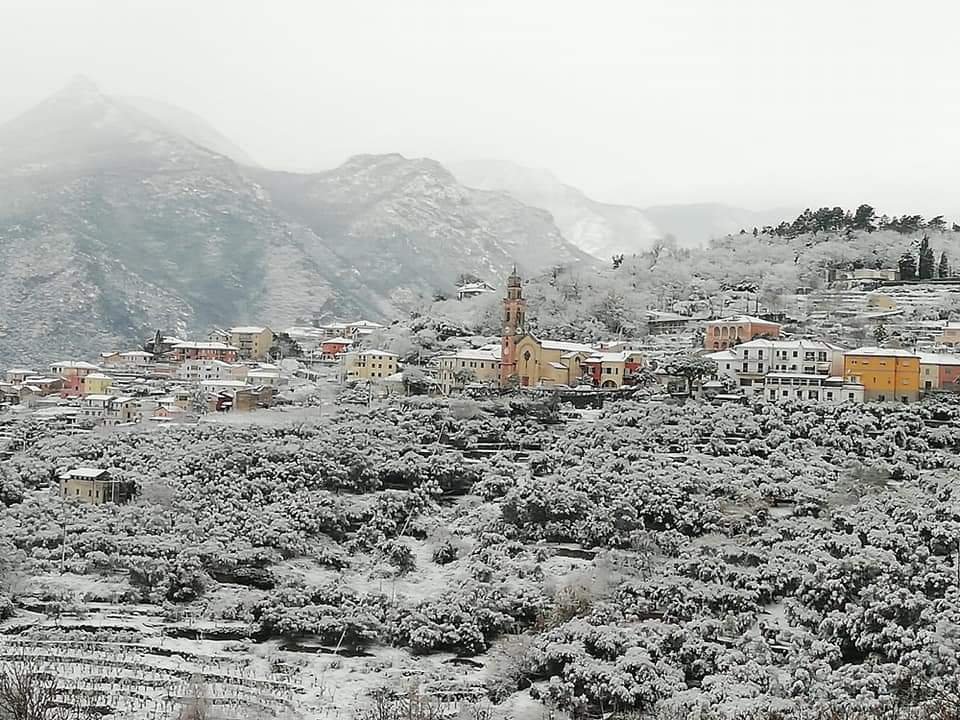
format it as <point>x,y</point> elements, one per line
<point>528,361</point>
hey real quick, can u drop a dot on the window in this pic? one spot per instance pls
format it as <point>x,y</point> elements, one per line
<point>813,395</point>
<point>849,396</point>
<point>882,398</point>
<point>786,393</point>
<point>829,395</point>
<point>795,353</point>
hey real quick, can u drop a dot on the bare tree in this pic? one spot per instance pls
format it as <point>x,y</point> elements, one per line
<point>29,691</point>
<point>196,706</point>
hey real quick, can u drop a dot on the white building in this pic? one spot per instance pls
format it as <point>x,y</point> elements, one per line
<point>783,386</point>
<point>748,363</point>
<point>202,370</point>
<point>480,365</point>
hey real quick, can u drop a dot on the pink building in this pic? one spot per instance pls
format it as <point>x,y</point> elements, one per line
<point>730,331</point>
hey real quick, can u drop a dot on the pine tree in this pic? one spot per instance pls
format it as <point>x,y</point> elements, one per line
<point>943,269</point>
<point>925,261</point>
<point>880,334</point>
<point>908,267</point>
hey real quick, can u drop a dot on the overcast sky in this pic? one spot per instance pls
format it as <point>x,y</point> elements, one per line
<point>758,103</point>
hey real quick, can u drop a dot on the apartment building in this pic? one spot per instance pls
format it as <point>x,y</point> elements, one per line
<point>886,373</point>
<point>749,363</point>
<point>253,342</point>
<point>730,331</point>
<point>370,364</point>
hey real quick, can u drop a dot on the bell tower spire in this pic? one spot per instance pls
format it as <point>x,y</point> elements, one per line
<point>514,321</point>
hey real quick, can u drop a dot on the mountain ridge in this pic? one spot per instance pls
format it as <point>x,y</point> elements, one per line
<point>112,224</point>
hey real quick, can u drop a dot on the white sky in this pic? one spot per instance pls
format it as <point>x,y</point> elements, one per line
<point>757,103</point>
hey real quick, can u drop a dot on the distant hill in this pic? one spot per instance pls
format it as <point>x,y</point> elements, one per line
<point>604,229</point>
<point>114,222</point>
<point>695,224</point>
<point>600,229</point>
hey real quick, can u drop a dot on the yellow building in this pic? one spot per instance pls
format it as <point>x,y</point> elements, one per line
<point>253,342</point>
<point>97,384</point>
<point>93,486</point>
<point>549,362</point>
<point>369,364</point>
<point>885,373</point>
<point>480,365</point>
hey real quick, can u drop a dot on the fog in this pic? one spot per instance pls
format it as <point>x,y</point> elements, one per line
<point>757,103</point>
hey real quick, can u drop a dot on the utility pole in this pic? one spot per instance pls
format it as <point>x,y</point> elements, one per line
<point>63,523</point>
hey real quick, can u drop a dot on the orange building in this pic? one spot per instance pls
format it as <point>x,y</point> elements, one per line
<point>885,373</point>
<point>730,331</point>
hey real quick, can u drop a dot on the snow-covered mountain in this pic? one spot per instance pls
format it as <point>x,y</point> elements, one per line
<point>114,222</point>
<point>600,229</point>
<point>604,229</point>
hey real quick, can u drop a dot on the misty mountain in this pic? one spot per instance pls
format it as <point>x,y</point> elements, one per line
<point>696,224</point>
<point>113,223</point>
<point>600,229</point>
<point>193,127</point>
<point>603,229</point>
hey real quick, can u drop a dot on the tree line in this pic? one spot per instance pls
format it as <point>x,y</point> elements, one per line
<point>864,218</point>
<point>924,266</point>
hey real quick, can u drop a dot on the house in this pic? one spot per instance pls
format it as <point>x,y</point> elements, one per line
<point>748,363</point>
<point>333,348</point>
<point>15,376</point>
<point>472,290</point>
<point>666,323</point>
<point>950,335</point>
<point>73,368</point>
<point>104,409</point>
<point>253,342</point>
<point>243,399</point>
<point>94,486</point>
<point>885,373</point>
<point>269,376</point>
<point>939,372</point>
<point>361,328</point>
<point>730,331</point>
<point>610,370</point>
<point>209,350</point>
<point>468,366</point>
<point>130,359</point>
<point>96,383</point>
<point>370,364</point>
<point>782,386</point>
<point>202,370</point>
<point>219,335</point>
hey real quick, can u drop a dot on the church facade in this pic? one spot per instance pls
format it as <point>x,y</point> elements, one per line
<point>528,361</point>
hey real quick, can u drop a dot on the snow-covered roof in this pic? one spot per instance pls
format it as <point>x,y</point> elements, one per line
<point>136,353</point>
<point>203,345</point>
<point>744,319</point>
<point>364,324</point>
<point>723,356</point>
<point>939,359</point>
<point>98,397</point>
<point>558,366</point>
<point>882,352</point>
<point>86,473</point>
<point>802,344</point>
<point>98,376</point>
<point>375,353</point>
<point>488,352</point>
<point>75,365</point>
<point>337,341</point>
<point>659,316</point>
<point>247,330</point>
<point>565,346</point>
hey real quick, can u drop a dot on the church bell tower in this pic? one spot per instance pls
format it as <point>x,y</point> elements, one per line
<point>514,320</point>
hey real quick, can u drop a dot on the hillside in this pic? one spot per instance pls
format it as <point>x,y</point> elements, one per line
<point>698,223</point>
<point>600,229</point>
<point>113,223</point>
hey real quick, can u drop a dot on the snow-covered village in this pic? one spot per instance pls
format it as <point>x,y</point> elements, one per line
<point>479,361</point>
